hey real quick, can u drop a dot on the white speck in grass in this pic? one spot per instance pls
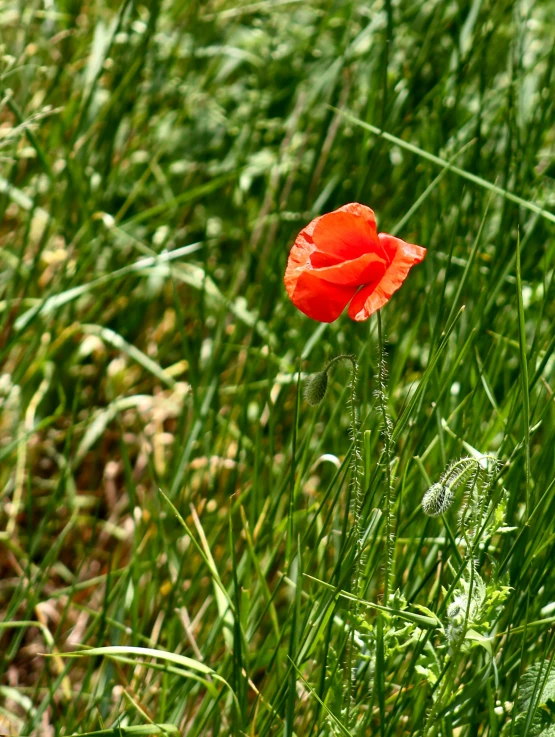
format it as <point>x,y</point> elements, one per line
<point>140,157</point>
<point>549,366</point>
<point>253,411</point>
<point>108,220</point>
<point>13,399</point>
<point>89,345</point>
<point>117,693</point>
<point>161,235</point>
<point>5,384</point>
<point>180,167</point>
<point>183,543</point>
<point>214,227</point>
<point>38,225</point>
<point>27,152</point>
<point>206,351</point>
<point>139,26</point>
<point>95,181</point>
<point>527,293</point>
<point>455,389</point>
<point>129,594</point>
<point>547,609</point>
<point>396,156</point>
<point>42,183</point>
<point>116,367</point>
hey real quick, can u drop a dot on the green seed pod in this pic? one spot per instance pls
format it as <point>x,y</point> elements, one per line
<point>316,387</point>
<point>437,500</point>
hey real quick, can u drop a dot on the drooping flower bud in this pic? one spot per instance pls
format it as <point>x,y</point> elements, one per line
<point>316,387</point>
<point>441,495</point>
<point>437,499</point>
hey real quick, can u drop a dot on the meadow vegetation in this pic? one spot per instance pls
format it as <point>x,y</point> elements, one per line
<point>173,513</point>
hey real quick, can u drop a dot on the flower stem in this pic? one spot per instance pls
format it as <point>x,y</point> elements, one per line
<point>386,430</point>
<point>355,506</point>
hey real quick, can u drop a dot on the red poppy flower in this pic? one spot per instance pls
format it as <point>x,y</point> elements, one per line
<point>340,258</point>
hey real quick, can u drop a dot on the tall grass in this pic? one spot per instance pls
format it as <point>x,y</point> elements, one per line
<point>173,514</point>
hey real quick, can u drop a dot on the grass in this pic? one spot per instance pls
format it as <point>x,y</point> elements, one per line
<point>178,549</point>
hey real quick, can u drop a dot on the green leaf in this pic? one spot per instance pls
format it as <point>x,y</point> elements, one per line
<point>118,731</point>
<point>479,639</point>
<point>181,660</point>
<point>535,685</point>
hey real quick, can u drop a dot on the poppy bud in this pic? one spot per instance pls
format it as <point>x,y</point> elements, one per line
<point>316,387</point>
<point>437,500</point>
<point>440,495</point>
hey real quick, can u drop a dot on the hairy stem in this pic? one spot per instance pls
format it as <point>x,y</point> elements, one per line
<point>386,430</point>
<point>355,504</point>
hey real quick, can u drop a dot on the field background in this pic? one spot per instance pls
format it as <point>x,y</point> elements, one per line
<point>157,161</point>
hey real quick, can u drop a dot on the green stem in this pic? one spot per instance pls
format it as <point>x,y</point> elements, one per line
<point>387,458</point>
<point>356,496</point>
<point>355,505</point>
<point>355,508</point>
<point>448,687</point>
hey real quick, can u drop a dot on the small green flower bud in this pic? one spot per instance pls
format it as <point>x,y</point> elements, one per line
<point>437,500</point>
<point>316,387</point>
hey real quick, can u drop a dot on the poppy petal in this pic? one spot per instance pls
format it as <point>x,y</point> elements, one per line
<point>347,233</point>
<point>304,254</point>
<point>319,299</point>
<point>366,268</point>
<point>320,260</point>
<point>299,260</point>
<point>373,296</point>
<point>366,301</point>
<point>300,252</point>
<point>339,252</point>
<point>398,248</point>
